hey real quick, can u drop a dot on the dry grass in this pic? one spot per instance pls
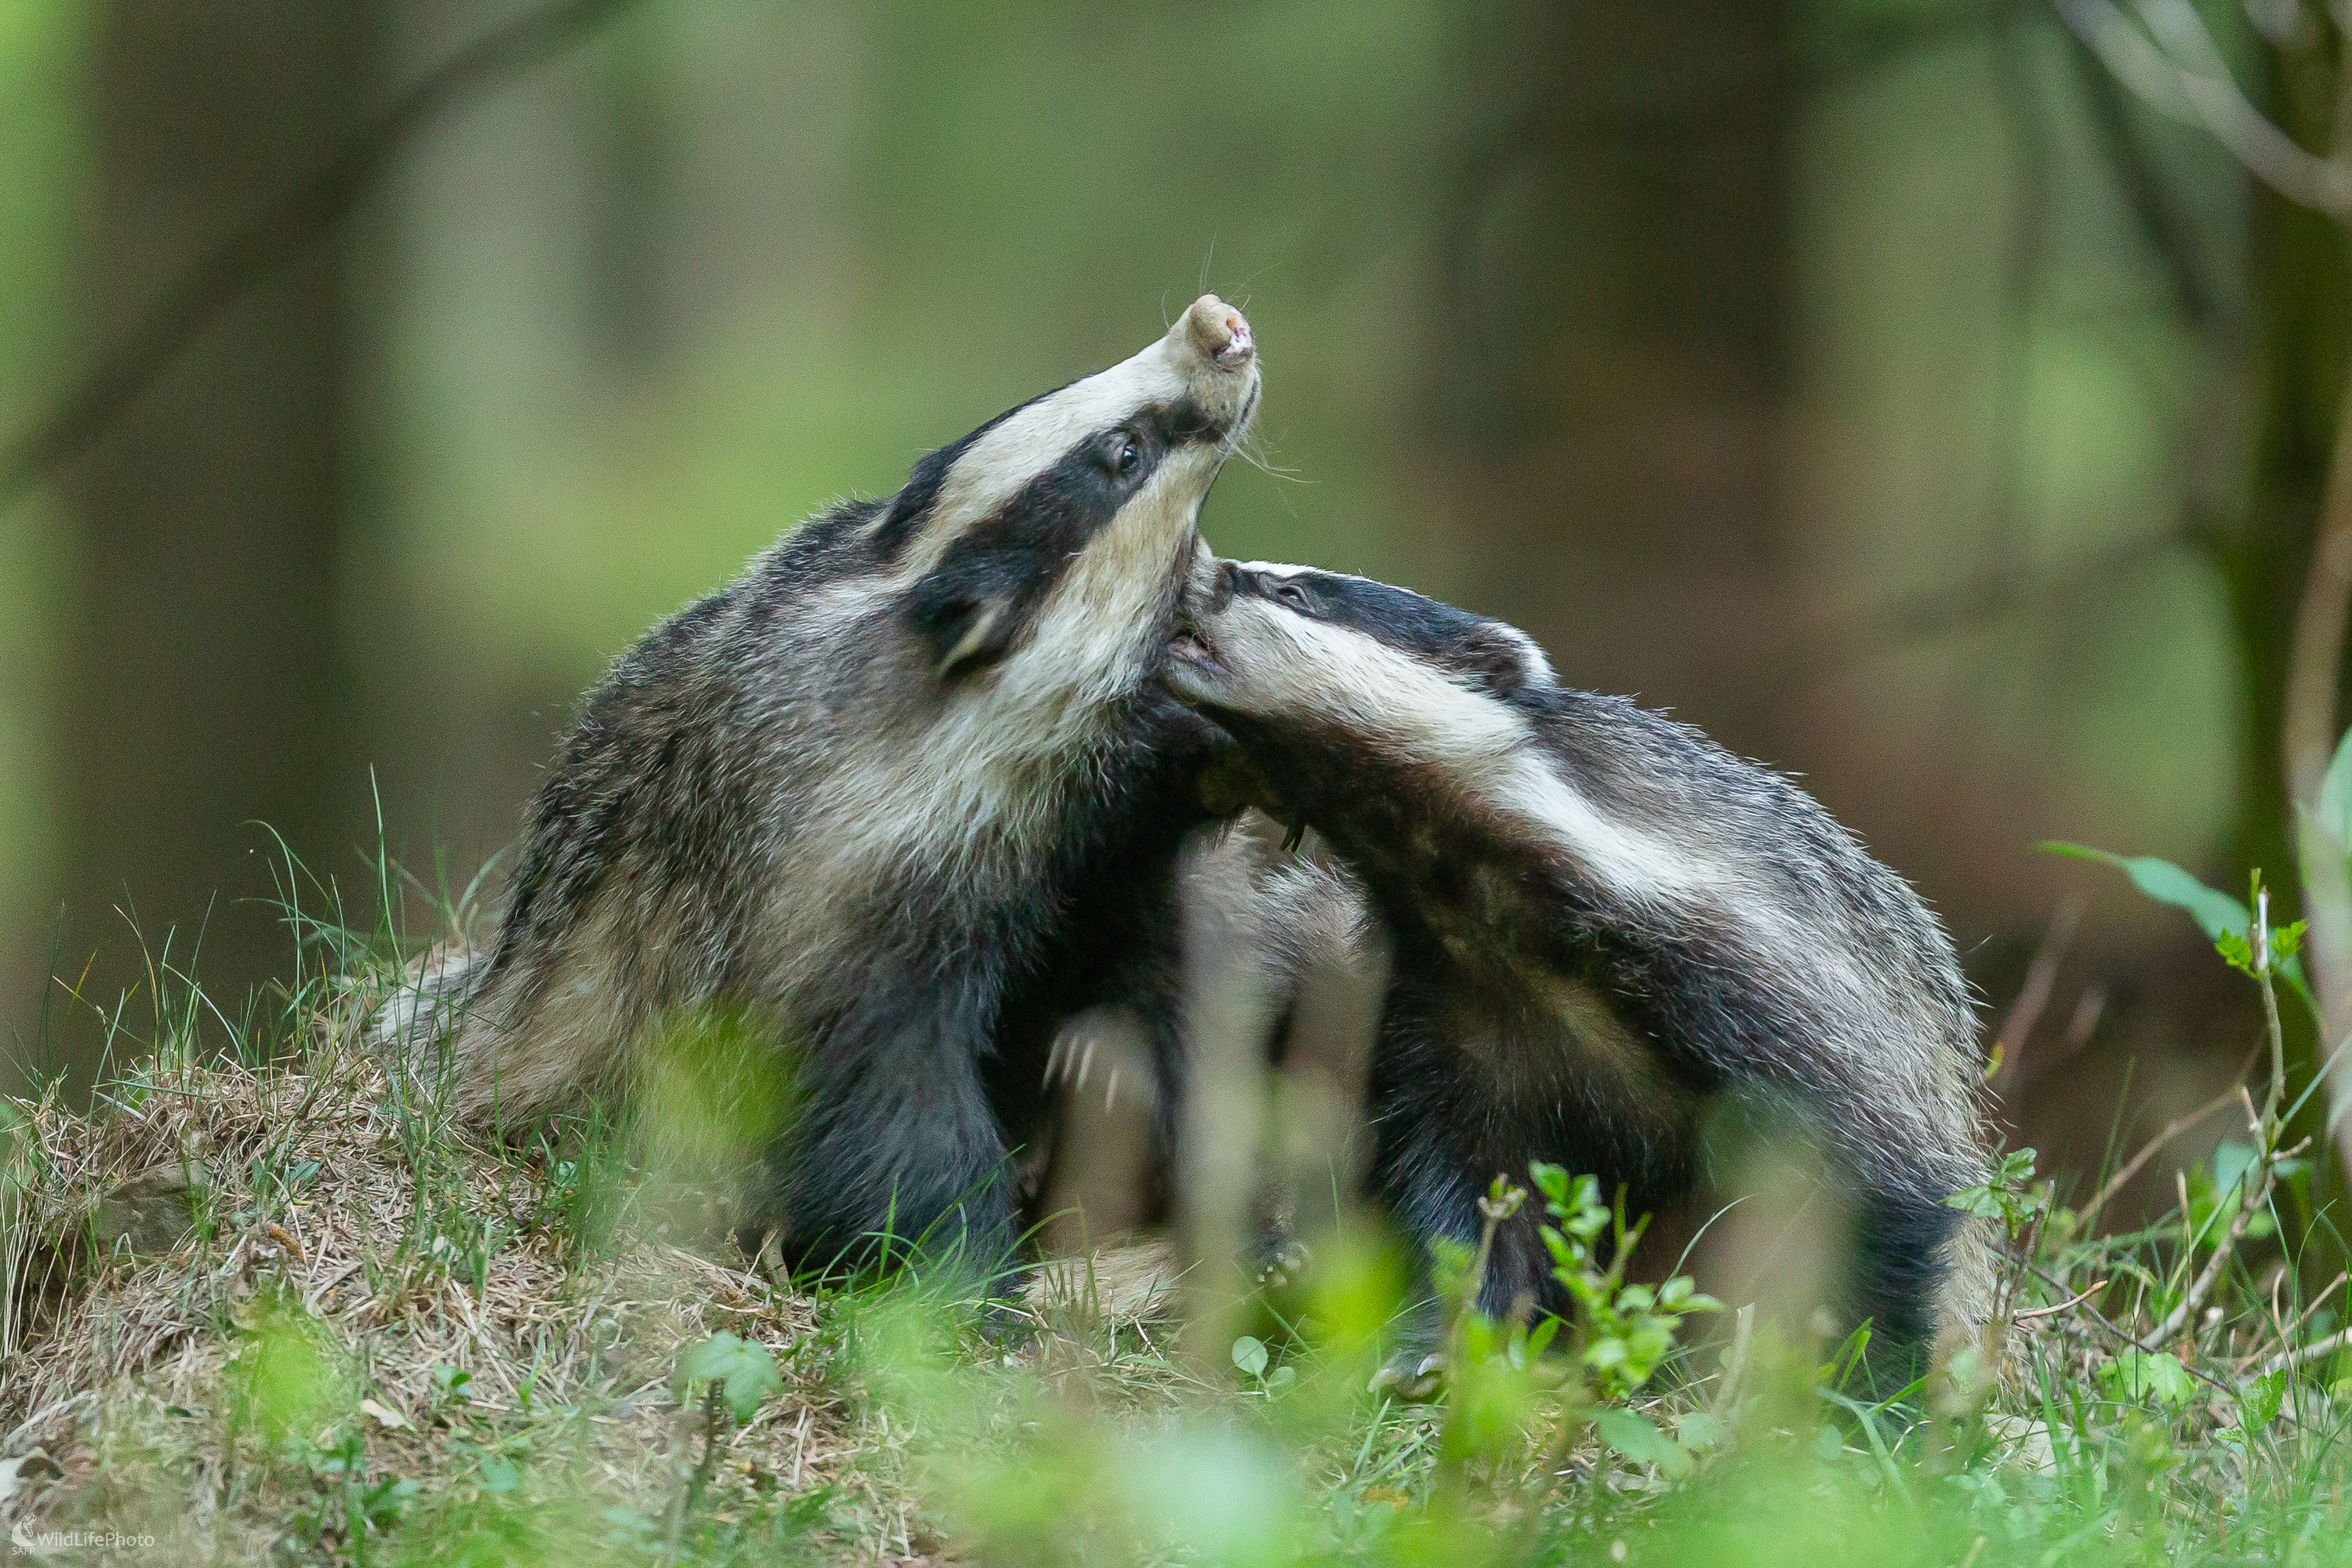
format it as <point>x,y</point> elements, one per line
<point>272,1306</point>
<point>361,1293</point>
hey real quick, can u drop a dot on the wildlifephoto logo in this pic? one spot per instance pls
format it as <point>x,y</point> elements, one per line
<point>56,1543</point>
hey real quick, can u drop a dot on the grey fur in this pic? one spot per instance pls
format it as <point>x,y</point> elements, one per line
<point>1602,924</point>
<point>887,808</point>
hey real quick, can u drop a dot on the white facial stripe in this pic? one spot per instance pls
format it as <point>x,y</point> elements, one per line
<point>1090,632</point>
<point>1000,465</point>
<point>976,795</point>
<point>1287,665</point>
<point>1490,748</point>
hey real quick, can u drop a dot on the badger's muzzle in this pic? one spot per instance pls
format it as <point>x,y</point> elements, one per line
<point>1066,526</point>
<point>1211,351</point>
<point>1216,330</point>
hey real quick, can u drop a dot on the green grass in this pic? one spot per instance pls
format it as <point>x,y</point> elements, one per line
<point>336,1328</point>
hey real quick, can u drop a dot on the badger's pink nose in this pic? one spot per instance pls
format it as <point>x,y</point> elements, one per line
<point>1218,331</point>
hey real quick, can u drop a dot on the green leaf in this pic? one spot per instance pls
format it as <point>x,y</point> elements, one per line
<point>1635,1436</point>
<point>1699,1431</point>
<point>2150,1374</point>
<point>2232,1161</point>
<point>1551,1181</point>
<point>2259,1398</point>
<point>745,1372</point>
<point>1984,1202</point>
<point>2215,911</point>
<point>1249,1354</point>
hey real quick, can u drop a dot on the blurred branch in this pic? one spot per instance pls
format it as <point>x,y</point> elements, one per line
<point>2307,738</point>
<point>2167,228</point>
<point>1952,608</point>
<point>2172,62</point>
<point>2040,978</point>
<point>2149,1151</point>
<point>2177,70</point>
<point>280,230</point>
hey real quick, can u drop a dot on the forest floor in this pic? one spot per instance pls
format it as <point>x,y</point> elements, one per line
<point>268,1305</point>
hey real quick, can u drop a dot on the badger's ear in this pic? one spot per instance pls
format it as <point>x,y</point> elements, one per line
<point>966,626</point>
<point>1504,658</point>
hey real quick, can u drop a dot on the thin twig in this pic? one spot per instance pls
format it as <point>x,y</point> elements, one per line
<point>2288,1330</point>
<point>2097,1316</point>
<point>2041,979</point>
<point>2176,68</point>
<point>2054,1311</point>
<point>2172,1130</point>
<point>2254,1190</point>
<point>283,229</point>
<point>2301,1354</point>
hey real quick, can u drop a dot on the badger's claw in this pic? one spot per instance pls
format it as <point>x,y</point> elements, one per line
<point>1289,1260</point>
<point>1410,1378</point>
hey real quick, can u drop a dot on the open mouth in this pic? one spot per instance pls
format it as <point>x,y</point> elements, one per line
<point>1190,648</point>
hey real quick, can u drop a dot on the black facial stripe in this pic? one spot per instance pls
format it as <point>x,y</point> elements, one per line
<point>915,498</point>
<point>1183,423</point>
<point>979,602</point>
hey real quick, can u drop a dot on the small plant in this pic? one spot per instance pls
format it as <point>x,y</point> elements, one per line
<point>1623,1332</point>
<point>1616,1334</point>
<point>2008,1194</point>
<point>734,1376</point>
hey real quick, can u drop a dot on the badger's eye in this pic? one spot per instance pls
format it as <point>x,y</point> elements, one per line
<point>1293,595</point>
<point>1124,454</point>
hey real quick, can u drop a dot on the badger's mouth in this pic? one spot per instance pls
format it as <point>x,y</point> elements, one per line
<point>1192,648</point>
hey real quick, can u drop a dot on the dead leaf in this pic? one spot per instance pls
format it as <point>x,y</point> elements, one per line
<point>391,1420</point>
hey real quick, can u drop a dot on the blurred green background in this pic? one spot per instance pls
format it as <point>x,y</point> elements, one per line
<point>1871,384</point>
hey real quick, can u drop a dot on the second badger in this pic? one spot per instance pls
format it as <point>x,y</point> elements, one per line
<point>897,802</point>
<point>1601,924</point>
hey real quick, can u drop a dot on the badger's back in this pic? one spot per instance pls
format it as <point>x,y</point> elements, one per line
<point>1843,989</point>
<point>663,818</point>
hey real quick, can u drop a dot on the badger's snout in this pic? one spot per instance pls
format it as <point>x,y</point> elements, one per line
<point>1219,333</point>
<point>1215,357</point>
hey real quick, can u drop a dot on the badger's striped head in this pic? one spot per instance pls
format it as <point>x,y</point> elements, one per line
<point>1295,648</point>
<point>1042,556</point>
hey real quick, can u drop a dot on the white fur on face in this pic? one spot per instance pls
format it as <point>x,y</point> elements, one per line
<point>1287,668</point>
<point>1033,440</point>
<point>979,790</point>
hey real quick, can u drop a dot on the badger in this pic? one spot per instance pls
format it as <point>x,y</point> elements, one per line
<point>893,804</point>
<point>1604,928</point>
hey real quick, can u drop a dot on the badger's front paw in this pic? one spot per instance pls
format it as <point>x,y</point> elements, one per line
<point>1282,1259</point>
<point>1412,1375</point>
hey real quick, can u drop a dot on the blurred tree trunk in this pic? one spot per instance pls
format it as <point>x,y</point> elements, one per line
<point>1618,304</point>
<point>203,687</point>
<point>2301,289</point>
